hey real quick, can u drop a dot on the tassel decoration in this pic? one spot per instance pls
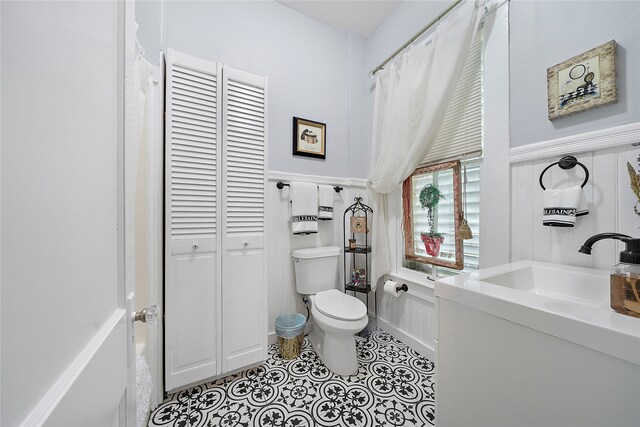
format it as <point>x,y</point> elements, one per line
<point>464,231</point>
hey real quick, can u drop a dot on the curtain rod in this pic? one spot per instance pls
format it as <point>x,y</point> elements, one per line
<point>487,10</point>
<point>416,36</point>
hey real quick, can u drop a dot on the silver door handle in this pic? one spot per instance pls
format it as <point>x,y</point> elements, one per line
<point>148,315</point>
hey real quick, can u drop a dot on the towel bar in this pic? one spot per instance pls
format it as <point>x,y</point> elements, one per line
<point>566,163</point>
<point>281,185</point>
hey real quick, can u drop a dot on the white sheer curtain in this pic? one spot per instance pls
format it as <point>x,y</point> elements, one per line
<point>411,98</point>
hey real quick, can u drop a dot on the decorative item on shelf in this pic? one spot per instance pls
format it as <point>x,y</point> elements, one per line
<point>358,224</point>
<point>430,196</point>
<point>634,181</point>
<point>309,138</point>
<point>359,278</point>
<point>352,244</point>
<point>464,231</point>
<point>583,82</point>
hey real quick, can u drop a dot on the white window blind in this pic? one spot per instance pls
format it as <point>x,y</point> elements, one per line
<point>461,132</point>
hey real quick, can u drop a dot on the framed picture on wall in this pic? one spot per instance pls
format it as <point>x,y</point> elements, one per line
<point>583,82</point>
<point>309,138</point>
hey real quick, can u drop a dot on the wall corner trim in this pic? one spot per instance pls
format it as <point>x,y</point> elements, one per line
<point>583,142</point>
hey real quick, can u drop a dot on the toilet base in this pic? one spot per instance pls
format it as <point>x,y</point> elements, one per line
<point>337,352</point>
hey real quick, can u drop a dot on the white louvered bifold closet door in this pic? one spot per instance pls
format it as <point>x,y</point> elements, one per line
<point>243,257</point>
<point>192,205</point>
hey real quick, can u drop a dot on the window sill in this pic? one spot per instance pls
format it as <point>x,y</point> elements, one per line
<point>420,284</point>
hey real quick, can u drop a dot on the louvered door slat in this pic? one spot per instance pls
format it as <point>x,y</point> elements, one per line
<point>185,130</point>
<point>243,107</point>
<point>245,116</point>
<point>194,79</point>
<point>245,152</point>
<point>194,149</point>
<point>201,125</point>
<point>193,143</point>
<point>245,156</point>
<point>195,156</point>
<point>189,107</point>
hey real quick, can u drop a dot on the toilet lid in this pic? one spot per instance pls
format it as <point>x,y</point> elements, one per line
<point>340,306</point>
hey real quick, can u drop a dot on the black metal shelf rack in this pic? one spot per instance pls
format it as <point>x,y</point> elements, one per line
<point>358,257</point>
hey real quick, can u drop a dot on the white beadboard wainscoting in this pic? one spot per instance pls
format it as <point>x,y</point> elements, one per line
<point>605,154</point>
<point>410,317</point>
<point>280,241</point>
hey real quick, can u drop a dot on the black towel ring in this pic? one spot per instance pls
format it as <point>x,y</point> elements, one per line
<point>566,163</point>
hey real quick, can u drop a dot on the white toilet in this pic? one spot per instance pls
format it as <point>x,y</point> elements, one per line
<point>337,317</point>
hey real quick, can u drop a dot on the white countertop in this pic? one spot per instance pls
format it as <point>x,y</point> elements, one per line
<point>599,328</point>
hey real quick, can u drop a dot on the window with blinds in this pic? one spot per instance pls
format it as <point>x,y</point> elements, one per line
<point>461,133</point>
<point>471,247</point>
<point>459,138</point>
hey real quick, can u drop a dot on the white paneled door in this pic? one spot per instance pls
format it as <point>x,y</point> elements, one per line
<point>66,315</point>
<point>215,287</point>
<point>192,301</point>
<point>243,275</point>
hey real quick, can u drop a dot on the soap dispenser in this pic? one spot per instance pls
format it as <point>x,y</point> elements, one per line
<point>625,276</point>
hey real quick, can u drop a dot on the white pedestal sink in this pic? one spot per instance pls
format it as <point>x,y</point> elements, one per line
<point>535,344</point>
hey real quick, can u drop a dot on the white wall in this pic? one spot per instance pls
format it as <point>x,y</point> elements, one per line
<point>610,205</point>
<point>305,61</point>
<point>545,33</point>
<point>558,38</point>
<point>283,297</point>
<point>359,143</point>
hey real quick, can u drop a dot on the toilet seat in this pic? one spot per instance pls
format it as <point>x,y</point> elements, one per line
<point>339,306</point>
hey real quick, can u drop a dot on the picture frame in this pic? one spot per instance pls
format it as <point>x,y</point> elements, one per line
<point>309,138</point>
<point>583,82</point>
<point>358,224</point>
<point>425,244</point>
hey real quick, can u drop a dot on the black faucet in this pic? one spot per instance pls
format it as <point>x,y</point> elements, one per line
<point>587,245</point>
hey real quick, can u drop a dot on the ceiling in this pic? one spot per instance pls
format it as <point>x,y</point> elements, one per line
<point>361,17</point>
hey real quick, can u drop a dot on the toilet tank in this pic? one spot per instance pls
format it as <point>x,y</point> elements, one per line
<point>316,269</point>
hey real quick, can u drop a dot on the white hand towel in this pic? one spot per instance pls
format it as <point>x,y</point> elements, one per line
<point>562,205</point>
<point>304,207</point>
<point>583,207</point>
<point>325,202</point>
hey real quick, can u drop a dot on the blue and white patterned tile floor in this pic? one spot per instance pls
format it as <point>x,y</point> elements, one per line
<point>394,386</point>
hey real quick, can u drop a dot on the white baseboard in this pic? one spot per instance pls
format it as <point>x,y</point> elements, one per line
<point>272,338</point>
<point>418,346</point>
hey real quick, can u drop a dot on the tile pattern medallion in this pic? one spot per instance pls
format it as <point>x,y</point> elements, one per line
<point>394,386</point>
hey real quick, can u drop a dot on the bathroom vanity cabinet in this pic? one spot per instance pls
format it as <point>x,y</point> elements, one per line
<point>516,347</point>
<point>215,269</point>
